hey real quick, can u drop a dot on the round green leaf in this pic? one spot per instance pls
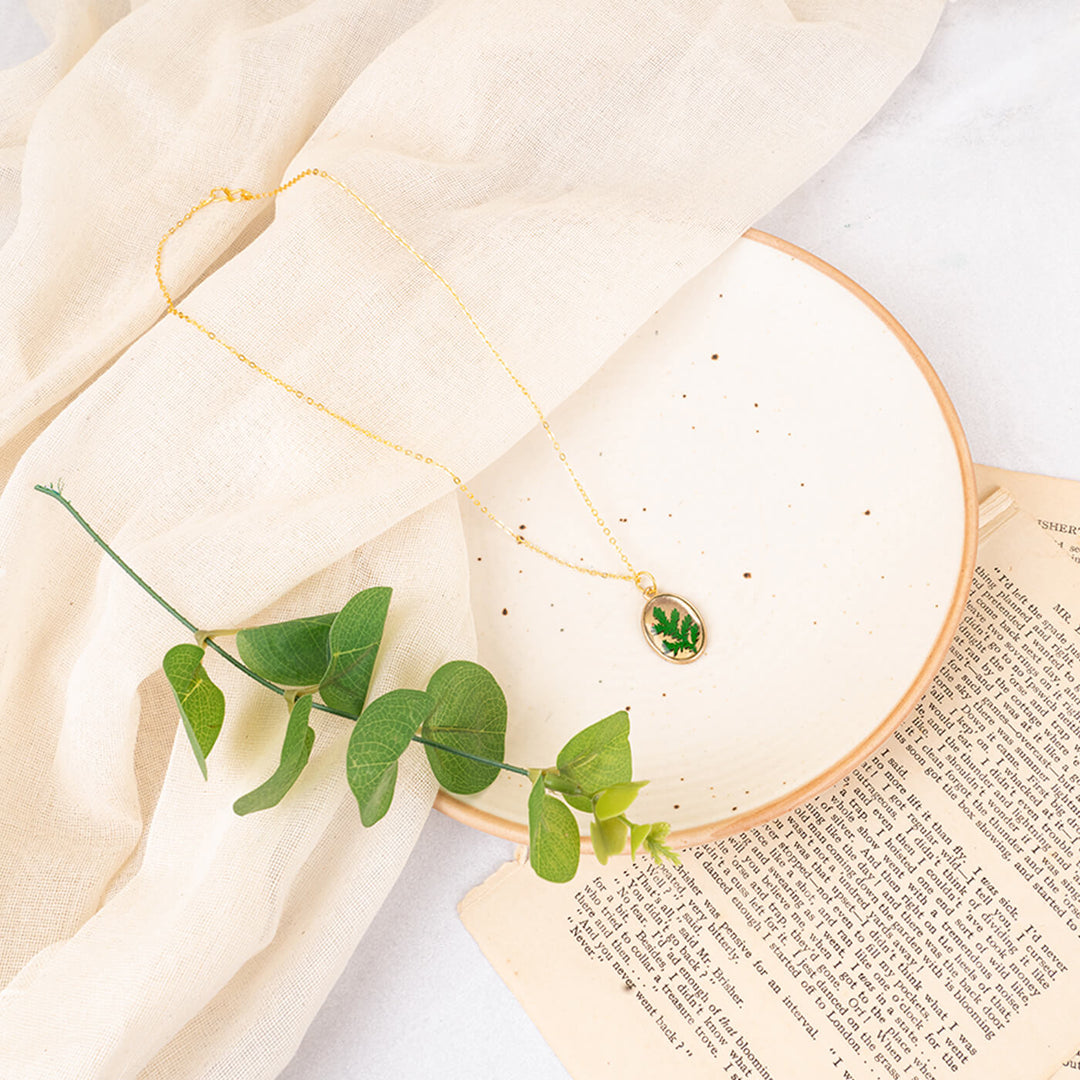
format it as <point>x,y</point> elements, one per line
<point>379,738</point>
<point>554,844</point>
<point>201,703</point>
<point>583,803</point>
<point>468,714</point>
<point>381,796</point>
<point>599,755</point>
<point>354,643</point>
<point>293,653</point>
<point>295,752</point>
<point>638,835</point>
<point>613,801</point>
<point>608,838</point>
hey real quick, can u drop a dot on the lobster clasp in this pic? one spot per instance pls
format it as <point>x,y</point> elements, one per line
<point>224,194</point>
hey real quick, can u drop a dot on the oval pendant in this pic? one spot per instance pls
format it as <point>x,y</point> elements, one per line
<point>673,627</point>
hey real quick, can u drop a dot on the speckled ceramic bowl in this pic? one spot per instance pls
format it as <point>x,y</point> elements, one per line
<point>774,448</point>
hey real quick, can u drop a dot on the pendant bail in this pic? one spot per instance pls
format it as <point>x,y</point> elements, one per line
<point>648,589</point>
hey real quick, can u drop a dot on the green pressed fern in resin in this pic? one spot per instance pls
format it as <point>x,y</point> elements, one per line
<point>678,635</point>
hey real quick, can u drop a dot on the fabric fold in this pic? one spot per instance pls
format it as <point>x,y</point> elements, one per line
<point>567,169</point>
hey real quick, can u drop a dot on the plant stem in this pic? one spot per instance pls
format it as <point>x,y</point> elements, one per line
<point>54,493</point>
<point>210,643</point>
<point>471,757</point>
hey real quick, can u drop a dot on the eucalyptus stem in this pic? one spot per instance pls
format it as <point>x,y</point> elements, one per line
<point>56,494</point>
<point>205,636</point>
<point>472,757</point>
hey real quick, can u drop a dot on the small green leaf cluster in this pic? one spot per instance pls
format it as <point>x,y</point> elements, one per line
<point>462,712</point>
<point>593,773</point>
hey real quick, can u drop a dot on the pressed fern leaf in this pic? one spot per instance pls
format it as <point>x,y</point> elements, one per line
<point>679,636</point>
<point>665,624</point>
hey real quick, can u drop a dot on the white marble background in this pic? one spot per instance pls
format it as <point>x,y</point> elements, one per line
<point>959,208</point>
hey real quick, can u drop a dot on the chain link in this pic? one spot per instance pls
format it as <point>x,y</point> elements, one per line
<point>642,579</point>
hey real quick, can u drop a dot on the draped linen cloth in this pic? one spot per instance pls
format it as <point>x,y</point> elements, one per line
<point>567,167</point>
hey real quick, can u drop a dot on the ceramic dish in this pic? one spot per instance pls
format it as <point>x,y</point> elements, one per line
<point>774,447</point>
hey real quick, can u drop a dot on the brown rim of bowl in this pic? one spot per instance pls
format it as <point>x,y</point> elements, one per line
<point>700,834</point>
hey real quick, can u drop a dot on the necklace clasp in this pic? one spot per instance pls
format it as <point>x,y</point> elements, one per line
<point>224,194</point>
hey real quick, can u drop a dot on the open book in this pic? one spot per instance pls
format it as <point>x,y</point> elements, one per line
<point>921,919</point>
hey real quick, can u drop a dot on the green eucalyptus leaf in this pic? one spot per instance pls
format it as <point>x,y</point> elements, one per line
<point>599,755</point>
<point>354,642</point>
<point>608,838</point>
<point>599,847</point>
<point>295,752</point>
<point>201,703</point>
<point>554,782</point>
<point>293,653</point>
<point>469,714</point>
<point>638,834</point>
<point>554,844</point>
<point>583,803</point>
<point>380,797</point>
<point>380,737</point>
<point>615,833</point>
<point>613,801</point>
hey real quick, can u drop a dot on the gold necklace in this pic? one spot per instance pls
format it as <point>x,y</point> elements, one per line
<point>671,624</point>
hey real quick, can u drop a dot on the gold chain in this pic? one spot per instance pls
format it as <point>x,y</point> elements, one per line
<point>641,578</point>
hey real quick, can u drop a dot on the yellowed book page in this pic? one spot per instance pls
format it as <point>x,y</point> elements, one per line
<point>920,919</point>
<point>1054,503</point>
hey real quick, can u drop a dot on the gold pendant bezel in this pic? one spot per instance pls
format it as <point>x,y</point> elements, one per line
<point>660,599</point>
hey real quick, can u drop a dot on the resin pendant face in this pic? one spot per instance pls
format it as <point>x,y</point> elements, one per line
<point>673,627</point>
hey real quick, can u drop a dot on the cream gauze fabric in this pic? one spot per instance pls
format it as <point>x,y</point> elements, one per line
<point>567,166</point>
